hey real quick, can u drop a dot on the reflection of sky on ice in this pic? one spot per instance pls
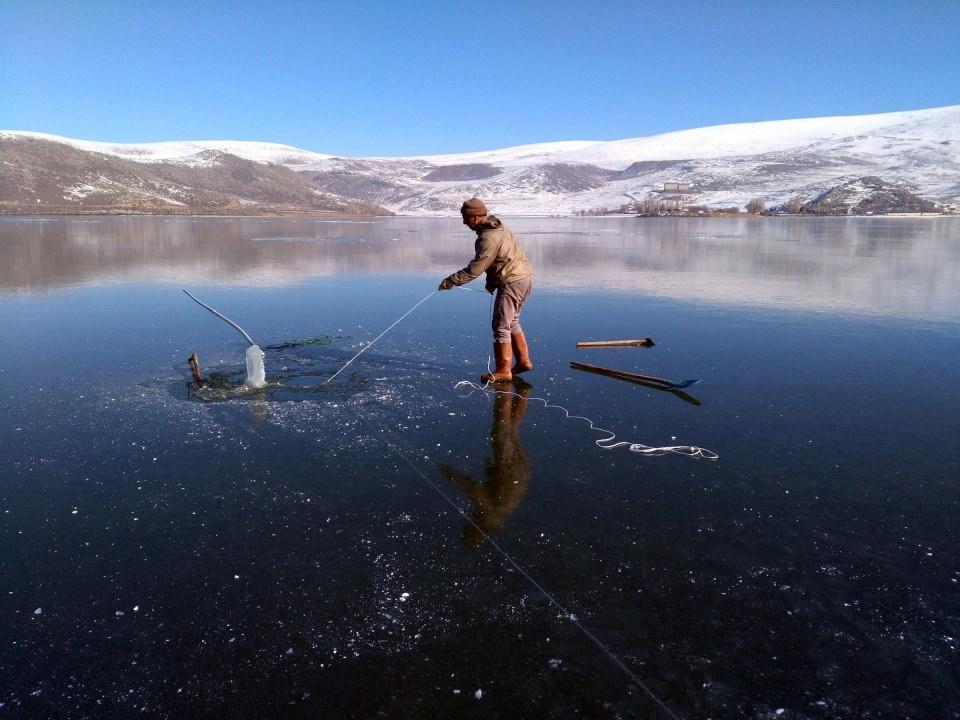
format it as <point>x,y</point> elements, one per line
<point>247,548</point>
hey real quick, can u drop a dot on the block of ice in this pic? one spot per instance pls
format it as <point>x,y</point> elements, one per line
<point>256,375</point>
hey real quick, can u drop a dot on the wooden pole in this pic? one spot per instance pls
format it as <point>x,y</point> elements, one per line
<point>638,379</point>
<point>640,342</point>
<point>622,374</point>
<point>194,362</point>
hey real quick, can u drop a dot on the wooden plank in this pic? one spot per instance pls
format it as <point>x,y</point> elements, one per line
<point>646,380</point>
<point>622,374</point>
<point>639,342</point>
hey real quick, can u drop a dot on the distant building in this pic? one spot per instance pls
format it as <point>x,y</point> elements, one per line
<point>674,198</point>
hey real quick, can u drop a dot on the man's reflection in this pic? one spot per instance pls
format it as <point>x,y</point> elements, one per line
<point>507,471</point>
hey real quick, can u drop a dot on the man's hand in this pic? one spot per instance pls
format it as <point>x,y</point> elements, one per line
<point>446,284</point>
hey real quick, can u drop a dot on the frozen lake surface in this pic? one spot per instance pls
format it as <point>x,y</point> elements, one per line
<point>391,545</point>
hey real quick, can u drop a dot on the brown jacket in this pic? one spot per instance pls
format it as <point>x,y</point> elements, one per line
<point>498,254</point>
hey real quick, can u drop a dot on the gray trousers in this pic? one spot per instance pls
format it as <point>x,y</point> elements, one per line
<point>506,308</point>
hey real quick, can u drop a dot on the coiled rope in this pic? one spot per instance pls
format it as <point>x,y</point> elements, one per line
<point>607,443</point>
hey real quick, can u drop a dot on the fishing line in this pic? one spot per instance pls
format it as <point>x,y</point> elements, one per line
<point>432,292</point>
<point>550,598</point>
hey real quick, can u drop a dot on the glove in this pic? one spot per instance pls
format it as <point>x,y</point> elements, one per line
<point>446,284</point>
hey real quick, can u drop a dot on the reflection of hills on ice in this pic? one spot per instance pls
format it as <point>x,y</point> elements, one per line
<point>900,266</point>
<point>254,252</point>
<point>874,266</point>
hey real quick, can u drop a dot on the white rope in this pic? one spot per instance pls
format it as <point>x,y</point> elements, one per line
<point>606,443</point>
<point>635,447</point>
<point>432,292</point>
<point>564,612</point>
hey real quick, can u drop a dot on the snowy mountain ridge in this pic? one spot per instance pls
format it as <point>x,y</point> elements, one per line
<point>723,165</point>
<point>714,141</point>
<point>181,151</point>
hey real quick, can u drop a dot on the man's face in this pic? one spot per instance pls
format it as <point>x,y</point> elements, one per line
<point>471,221</point>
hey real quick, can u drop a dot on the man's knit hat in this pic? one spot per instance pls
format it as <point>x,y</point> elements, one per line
<point>473,206</point>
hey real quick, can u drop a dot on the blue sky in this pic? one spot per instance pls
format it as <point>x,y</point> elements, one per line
<point>377,78</point>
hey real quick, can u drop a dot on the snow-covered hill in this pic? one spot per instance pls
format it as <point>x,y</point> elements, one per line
<point>725,165</point>
<point>184,152</point>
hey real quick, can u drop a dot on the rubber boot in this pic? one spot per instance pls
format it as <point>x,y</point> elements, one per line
<point>521,391</point>
<point>520,352</point>
<point>503,356</point>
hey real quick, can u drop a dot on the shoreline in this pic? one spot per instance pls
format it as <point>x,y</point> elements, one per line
<point>336,215</point>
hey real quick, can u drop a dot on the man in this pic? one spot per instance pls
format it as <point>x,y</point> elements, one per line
<point>509,273</point>
<point>506,471</point>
